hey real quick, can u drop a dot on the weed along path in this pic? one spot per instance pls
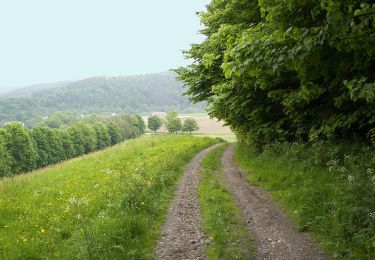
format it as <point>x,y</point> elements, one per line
<point>182,235</point>
<point>274,234</point>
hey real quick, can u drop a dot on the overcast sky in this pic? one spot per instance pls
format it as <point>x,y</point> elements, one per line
<point>56,40</point>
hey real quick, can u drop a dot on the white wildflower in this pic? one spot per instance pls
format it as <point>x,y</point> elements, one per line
<point>351,178</point>
<point>72,200</point>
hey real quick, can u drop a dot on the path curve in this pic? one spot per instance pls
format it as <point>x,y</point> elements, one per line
<point>182,235</point>
<point>275,235</point>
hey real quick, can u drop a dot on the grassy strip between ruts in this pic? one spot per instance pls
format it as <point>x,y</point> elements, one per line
<point>334,200</point>
<point>108,205</point>
<point>222,220</point>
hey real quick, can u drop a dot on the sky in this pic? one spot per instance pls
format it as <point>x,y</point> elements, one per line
<point>57,40</point>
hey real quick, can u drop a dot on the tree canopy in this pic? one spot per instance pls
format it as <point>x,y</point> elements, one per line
<point>287,70</point>
<point>131,95</point>
<point>173,123</point>
<point>23,150</point>
<point>154,123</point>
<point>190,125</point>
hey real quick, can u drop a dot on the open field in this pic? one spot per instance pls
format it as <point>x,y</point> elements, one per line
<point>109,204</point>
<point>208,127</point>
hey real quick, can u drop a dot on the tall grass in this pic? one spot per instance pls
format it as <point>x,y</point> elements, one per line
<point>222,220</point>
<point>107,205</point>
<point>328,189</point>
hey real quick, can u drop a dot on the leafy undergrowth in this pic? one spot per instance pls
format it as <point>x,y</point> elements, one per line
<point>107,205</point>
<point>327,189</point>
<point>222,220</point>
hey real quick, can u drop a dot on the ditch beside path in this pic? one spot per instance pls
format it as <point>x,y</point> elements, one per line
<point>182,235</point>
<point>275,235</point>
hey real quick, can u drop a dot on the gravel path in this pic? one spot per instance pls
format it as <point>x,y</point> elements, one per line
<point>182,235</point>
<point>275,235</point>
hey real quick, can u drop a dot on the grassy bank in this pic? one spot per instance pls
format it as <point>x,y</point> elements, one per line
<point>329,190</point>
<point>108,204</point>
<point>222,220</point>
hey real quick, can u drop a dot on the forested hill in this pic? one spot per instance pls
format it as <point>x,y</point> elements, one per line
<point>128,94</point>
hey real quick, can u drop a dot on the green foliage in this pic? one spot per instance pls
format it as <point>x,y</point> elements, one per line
<point>102,135</point>
<point>139,124</point>
<point>106,205</point>
<point>6,159</point>
<point>287,70</point>
<point>21,148</point>
<point>67,143</point>
<point>328,189</point>
<point>222,220</point>
<point>154,123</point>
<point>131,95</point>
<point>52,145</point>
<point>115,133</point>
<point>173,123</point>
<point>190,125</point>
<point>77,138</point>
<point>58,119</point>
<point>41,137</point>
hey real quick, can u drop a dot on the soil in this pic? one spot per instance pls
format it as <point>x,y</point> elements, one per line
<point>275,236</point>
<point>182,235</point>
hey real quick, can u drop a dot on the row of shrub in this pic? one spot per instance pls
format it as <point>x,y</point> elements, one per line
<point>23,149</point>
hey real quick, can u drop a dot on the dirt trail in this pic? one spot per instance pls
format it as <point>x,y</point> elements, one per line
<point>182,235</point>
<point>275,235</point>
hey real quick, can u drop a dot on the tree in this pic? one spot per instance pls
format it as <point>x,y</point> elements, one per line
<point>41,136</point>
<point>102,135</point>
<point>57,152</point>
<point>173,123</point>
<point>6,159</point>
<point>287,70</point>
<point>154,123</point>
<point>115,133</point>
<point>77,139</point>
<point>190,125</point>
<point>21,148</point>
<point>67,144</point>
<point>140,124</point>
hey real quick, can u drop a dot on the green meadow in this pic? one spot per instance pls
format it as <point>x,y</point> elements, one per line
<point>109,204</point>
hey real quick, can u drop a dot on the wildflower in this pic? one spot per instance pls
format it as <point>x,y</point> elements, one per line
<point>372,215</point>
<point>96,186</point>
<point>72,200</point>
<point>42,230</point>
<point>351,178</point>
<point>102,215</point>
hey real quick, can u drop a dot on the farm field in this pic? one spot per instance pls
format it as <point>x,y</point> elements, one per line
<point>208,127</point>
<point>109,204</point>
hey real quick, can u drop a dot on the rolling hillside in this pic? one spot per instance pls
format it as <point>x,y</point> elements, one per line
<point>128,94</point>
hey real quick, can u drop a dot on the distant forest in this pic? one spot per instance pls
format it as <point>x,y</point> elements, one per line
<point>123,94</point>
